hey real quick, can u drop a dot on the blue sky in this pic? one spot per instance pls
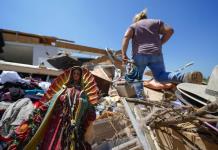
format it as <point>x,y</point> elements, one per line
<point>101,24</point>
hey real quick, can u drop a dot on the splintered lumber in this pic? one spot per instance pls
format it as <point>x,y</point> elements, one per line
<point>187,141</point>
<point>172,121</point>
<point>143,140</point>
<point>130,144</point>
<point>212,107</point>
<point>136,148</point>
<point>148,103</point>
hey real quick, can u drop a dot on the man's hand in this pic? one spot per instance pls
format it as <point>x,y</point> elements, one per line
<point>124,59</point>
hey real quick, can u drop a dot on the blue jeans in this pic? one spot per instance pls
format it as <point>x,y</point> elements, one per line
<point>156,65</point>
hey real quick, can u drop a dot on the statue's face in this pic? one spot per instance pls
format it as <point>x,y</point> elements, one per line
<point>76,75</point>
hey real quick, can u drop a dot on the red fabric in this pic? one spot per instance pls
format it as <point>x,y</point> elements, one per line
<point>55,134</point>
<point>50,134</point>
<point>58,145</point>
<point>5,139</point>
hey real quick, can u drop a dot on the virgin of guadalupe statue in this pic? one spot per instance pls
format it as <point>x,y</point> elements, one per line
<point>64,113</point>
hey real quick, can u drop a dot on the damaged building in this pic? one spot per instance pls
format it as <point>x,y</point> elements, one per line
<point>56,94</point>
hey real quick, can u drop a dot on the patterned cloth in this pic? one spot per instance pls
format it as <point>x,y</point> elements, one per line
<point>133,74</point>
<point>14,115</point>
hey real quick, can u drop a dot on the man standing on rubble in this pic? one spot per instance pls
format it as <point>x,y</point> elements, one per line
<point>148,36</point>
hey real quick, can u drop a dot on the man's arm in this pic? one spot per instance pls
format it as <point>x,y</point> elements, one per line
<point>166,32</point>
<point>128,35</point>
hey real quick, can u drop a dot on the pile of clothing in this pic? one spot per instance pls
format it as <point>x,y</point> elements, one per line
<point>18,99</point>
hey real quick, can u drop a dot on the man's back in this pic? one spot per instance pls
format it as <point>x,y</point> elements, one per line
<point>146,39</point>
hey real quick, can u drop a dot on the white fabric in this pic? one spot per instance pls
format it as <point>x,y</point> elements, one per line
<point>44,85</point>
<point>11,76</point>
<point>4,105</point>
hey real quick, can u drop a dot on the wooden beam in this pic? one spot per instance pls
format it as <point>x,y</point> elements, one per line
<point>21,33</point>
<point>127,145</point>
<point>9,66</point>
<point>22,37</point>
<point>80,48</point>
<point>143,140</point>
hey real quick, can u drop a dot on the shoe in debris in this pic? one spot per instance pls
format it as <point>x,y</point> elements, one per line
<point>193,77</point>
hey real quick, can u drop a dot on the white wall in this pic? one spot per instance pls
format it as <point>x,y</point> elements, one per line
<point>39,54</point>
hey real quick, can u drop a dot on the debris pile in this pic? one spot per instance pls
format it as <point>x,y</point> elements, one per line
<point>93,107</point>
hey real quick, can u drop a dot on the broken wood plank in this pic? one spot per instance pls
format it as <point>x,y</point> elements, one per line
<point>130,144</point>
<point>22,37</point>
<point>136,148</point>
<point>143,140</point>
<point>9,66</point>
<point>80,48</point>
